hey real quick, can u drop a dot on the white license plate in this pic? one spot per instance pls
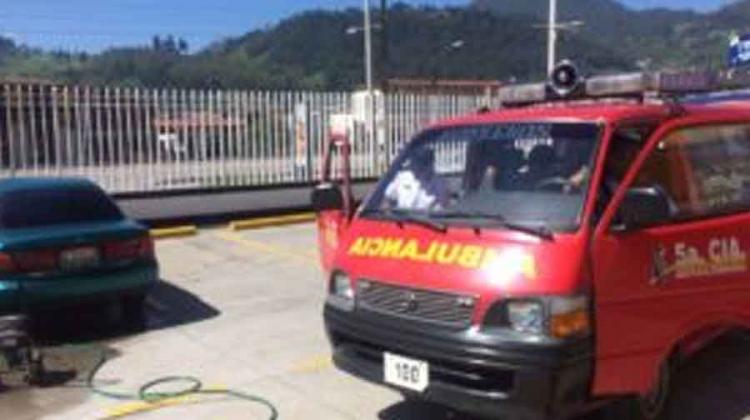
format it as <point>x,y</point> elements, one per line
<point>78,258</point>
<point>405,372</point>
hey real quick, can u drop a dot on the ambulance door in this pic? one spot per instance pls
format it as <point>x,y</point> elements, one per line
<point>670,256</point>
<point>332,198</point>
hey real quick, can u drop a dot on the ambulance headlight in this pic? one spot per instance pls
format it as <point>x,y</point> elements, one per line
<point>341,291</point>
<point>552,316</point>
<point>526,316</point>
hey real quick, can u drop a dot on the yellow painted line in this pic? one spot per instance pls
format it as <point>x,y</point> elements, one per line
<point>140,407</point>
<point>174,232</point>
<point>263,222</point>
<point>313,364</point>
<point>267,248</point>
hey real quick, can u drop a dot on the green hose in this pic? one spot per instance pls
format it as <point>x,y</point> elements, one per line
<point>194,386</point>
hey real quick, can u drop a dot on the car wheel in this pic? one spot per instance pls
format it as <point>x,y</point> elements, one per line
<point>134,311</point>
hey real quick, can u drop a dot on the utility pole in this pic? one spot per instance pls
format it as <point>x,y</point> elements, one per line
<point>383,68</point>
<point>552,37</point>
<point>370,102</point>
<point>553,27</point>
<point>368,48</point>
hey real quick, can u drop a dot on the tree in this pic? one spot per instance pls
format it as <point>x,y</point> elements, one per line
<point>156,43</point>
<point>182,46</point>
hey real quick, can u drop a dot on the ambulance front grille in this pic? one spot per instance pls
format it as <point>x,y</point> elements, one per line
<point>424,305</point>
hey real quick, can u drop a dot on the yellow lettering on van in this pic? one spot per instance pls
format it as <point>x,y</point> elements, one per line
<point>429,256</point>
<point>471,256</point>
<point>375,247</point>
<point>529,267</point>
<point>448,254</point>
<point>510,261</point>
<point>391,248</point>
<point>410,251</point>
<point>359,247</point>
<point>489,258</point>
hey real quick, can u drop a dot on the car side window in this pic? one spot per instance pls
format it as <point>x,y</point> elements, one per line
<point>702,170</point>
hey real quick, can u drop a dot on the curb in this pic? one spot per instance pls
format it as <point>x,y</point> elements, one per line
<point>174,232</point>
<point>271,221</point>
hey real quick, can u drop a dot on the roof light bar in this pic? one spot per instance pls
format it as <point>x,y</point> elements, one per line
<point>620,85</point>
<point>523,94</point>
<point>628,85</point>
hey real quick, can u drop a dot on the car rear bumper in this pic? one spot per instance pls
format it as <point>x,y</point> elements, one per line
<point>468,372</point>
<point>29,293</point>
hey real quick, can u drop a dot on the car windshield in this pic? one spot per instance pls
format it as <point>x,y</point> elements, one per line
<point>55,206</point>
<point>522,174</point>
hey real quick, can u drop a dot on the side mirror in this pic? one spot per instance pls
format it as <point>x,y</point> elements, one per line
<point>327,196</point>
<point>643,207</point>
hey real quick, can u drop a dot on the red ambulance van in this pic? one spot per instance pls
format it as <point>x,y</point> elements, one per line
<point>573,248</point>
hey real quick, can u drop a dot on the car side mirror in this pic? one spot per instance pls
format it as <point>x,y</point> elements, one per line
<point>643,207</point>
<point>327,196</point>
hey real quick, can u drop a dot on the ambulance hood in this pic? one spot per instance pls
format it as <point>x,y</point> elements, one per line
<point>491,264</point>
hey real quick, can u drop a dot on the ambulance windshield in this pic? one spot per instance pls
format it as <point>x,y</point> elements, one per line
<point>526,174</point>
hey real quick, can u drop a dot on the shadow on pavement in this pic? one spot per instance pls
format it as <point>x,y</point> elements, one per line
<point>167,306</point>
<point>418,410</point>
<point>74,340</point>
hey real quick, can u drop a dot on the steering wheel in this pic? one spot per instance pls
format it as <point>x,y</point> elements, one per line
<point>556,184</point>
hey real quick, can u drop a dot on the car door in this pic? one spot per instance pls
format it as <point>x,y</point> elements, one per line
<point>684,273</point>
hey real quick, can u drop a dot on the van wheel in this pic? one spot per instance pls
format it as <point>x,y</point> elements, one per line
<point>651,406</point>
<point>134,311</point>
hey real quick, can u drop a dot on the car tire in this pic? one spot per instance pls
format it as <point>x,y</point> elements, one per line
<point>133,310</point>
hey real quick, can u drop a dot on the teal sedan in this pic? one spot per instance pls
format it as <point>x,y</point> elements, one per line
<point>64,241</point>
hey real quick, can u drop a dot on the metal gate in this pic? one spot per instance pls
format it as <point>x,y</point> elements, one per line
<point>152,140</point>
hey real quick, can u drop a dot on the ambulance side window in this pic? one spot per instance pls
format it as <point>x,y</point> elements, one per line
<point>625,146</point>
<point>703,170</point>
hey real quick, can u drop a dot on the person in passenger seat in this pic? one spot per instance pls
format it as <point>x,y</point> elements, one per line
<point>418,187</point>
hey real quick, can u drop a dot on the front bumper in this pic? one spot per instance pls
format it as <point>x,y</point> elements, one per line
<point>470,371</point>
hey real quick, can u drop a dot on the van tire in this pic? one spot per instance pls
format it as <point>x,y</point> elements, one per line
<point>652,406</point>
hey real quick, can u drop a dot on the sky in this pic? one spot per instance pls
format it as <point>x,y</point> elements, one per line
<point>92,25</point>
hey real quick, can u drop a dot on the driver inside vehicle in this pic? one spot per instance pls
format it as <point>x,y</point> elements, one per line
<point>500,168</point>
<point>541,167</point>
<point>546,172</point>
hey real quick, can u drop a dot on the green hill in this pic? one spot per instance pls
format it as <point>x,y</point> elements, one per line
<point>312,49</point>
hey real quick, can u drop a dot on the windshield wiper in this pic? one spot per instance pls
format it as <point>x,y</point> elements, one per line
<point>401,217</point>
<point>541,232</point>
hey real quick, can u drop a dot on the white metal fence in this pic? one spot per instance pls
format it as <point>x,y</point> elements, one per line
<point>151,140</point>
